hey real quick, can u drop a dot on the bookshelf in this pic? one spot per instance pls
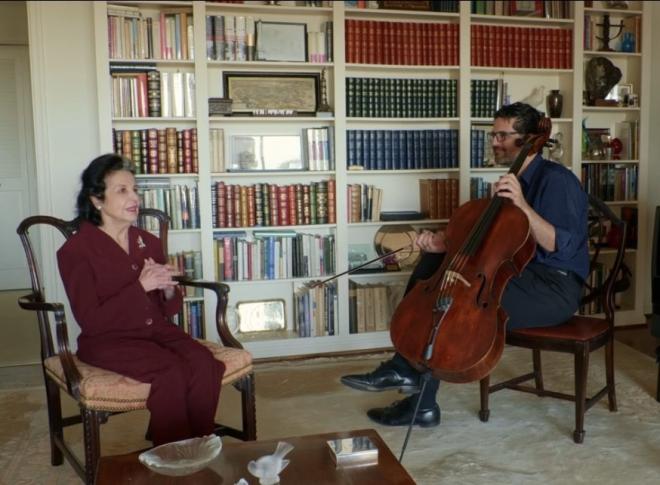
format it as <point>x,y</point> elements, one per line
<point>386,71</point>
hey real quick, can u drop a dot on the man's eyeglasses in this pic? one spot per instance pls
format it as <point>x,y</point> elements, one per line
<point>500,136</point>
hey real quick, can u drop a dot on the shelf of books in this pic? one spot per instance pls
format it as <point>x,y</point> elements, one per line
<point>613,129</point>
<point>292,142</point>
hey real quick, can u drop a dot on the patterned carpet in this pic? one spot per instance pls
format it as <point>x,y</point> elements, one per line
<point>527,440</point>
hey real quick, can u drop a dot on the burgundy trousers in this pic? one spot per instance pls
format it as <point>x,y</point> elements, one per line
<point>185,378</point>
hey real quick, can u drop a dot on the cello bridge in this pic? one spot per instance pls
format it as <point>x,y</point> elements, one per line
<point>452,276</point>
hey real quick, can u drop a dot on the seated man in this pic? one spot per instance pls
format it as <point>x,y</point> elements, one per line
<point>546,293</point>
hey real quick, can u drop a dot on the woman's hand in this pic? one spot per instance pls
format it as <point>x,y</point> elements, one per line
<point>432,242</point>
<point>156,276</point>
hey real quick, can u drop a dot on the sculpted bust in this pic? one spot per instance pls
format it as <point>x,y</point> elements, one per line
<point>601,76</point>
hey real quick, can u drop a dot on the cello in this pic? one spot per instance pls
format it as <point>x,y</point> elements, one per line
<point>451,324</point>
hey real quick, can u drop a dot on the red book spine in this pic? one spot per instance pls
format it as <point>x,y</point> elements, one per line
<point>370,26</point>
<point>143,103</point>
<point>187,152</point>
<point>252,213</point>
<point>179,153</point>
<point>408,44</point>
<point>152,148</point>
<point>380,42</point>
<point>499,46</point>
<point>274,202</point>
<point>517,47</point>
<point>568,61</point>
<point>387,42</point>
<point>398,43</point>
<point>332,213</point>
<point>228,258</point>
<point>432,39</point>
<point>454,38</point>
<point>306,206</point>
<point>195,151</point>
<point>349,25</point>
<point>291,204</point>
<point>229,206</point>
<point>283,197</point>
<point>244,209</point>
<point>487,44</point>
<point>440,44</point>
<point>237,206</point>
<point>361,45</point>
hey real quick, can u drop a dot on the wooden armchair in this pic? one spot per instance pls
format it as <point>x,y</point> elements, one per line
<point>581,334</point>
<point>101,393</point>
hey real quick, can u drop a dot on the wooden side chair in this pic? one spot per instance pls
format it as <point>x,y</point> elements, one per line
<point>101,393</point>
<point>581,334</point>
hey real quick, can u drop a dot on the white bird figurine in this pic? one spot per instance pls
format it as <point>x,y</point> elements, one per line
<point>268,467</point>
<point>536,97</point>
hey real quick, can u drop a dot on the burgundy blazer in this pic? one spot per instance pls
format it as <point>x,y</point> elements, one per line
<point>101,281</point>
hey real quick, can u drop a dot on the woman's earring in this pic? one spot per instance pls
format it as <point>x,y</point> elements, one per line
<point>98,207</point>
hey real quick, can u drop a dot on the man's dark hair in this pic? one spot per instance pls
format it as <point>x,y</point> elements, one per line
<point>93,183</point>
<point>526,117</point>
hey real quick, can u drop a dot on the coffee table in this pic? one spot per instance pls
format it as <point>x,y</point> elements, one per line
<point>311,463</point>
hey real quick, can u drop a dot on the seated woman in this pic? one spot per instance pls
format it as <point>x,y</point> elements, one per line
<point>122,295</point>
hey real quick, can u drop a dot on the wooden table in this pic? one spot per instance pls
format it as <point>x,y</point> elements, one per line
<point>311,463</point>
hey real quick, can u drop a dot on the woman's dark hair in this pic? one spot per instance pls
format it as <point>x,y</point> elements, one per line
<point>526,117</point>
<point>93,183</point>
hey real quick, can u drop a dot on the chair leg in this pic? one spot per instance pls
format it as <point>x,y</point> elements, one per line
<point>581,369</point>
<point>91,429</point>
<point>538,371</point>
<point>249,408</point>
<point>54,422</point>
<point>609,375</point>
<point>484,412</point>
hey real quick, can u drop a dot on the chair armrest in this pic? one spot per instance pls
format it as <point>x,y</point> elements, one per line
<point>221,291</point>
<point>71,372</point>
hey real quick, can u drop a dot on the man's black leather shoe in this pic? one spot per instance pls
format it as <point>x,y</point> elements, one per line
<point>386,377</point>
<point>400,413</point>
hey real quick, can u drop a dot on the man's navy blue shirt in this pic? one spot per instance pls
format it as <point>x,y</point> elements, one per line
<point>555,193</point>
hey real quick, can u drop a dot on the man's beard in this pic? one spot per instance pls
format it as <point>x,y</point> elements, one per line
<point>503,159</point>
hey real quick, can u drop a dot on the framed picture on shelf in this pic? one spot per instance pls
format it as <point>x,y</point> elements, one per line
<point>281,41</point>
<point>624,92</point>
<point>265,153</point>
<point>258,91</point>
<point>261,315</point>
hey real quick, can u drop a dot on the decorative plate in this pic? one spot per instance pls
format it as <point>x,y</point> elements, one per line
<point>182,457</point>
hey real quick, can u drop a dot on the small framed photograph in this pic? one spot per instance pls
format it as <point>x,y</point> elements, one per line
<point>281,41</point>
<point>256,91</point>
<point>261,315</point>
<point>624,92</point>
<point>265,153</point>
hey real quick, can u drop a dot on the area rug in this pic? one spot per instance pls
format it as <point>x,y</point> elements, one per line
<point>528,440</point>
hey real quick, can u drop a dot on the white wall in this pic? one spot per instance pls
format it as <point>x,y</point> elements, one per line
<point>61,42</point>
<point>62,63</point>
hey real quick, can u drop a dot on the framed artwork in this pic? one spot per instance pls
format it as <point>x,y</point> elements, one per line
<point>254,91</point>
<point>265,152</point>
<point>261,315</point>
<point>624,91</point>
<point>281,41</point>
